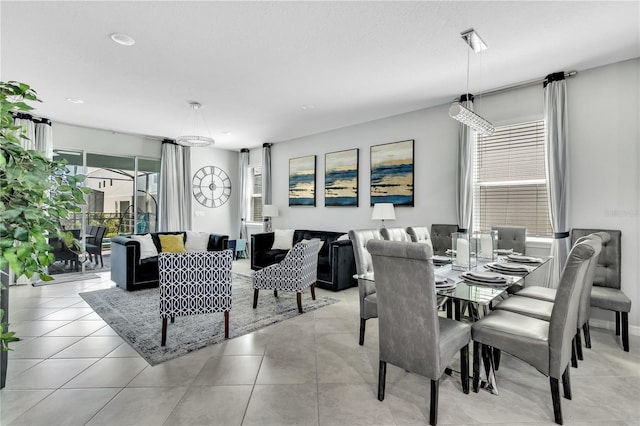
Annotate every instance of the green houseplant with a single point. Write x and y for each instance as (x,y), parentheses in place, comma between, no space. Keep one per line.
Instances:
(35,193)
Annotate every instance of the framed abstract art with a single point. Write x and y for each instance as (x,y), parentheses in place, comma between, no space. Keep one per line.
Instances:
(392,173)
(341,178)
(302,181)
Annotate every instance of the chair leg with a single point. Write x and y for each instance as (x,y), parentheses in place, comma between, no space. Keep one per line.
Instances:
(574,357)
(163,341)
(313,292)
(625,331)
(173,319)
(477,347)
(226,324)
(578,338)
(464,368)
(382,375)
(587,335)
(299,299)
(555,396)
(433,409)
(487,354)
(566,383)
(101,262)
(617,323)
(275,293)
(496,358)
(363,323)
(255,298)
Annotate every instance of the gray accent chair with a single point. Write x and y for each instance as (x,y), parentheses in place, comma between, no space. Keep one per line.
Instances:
(524,303)
(545,294)
(395,234)
(412,335)
(606,292)
(441,237)
(512,237)
(419,234)
(545,345)
(364,265)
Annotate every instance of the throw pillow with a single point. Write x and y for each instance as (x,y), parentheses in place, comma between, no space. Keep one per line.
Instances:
(197,241)
(282,239)
(172,243)
(319,245)
(147,247)
(343,237)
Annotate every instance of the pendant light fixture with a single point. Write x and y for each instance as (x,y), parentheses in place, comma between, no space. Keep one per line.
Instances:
(196,139)
(459,112)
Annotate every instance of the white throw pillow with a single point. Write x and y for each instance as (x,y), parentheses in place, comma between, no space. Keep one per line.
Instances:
(196,241)
(147,247)
(282,239)
(319,245)
(343,237)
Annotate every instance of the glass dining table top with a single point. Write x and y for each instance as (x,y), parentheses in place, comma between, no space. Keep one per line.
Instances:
(470,292)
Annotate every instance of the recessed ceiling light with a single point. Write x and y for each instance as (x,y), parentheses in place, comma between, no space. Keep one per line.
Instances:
(226,133)
(75,101)
(122,39)
(307,107)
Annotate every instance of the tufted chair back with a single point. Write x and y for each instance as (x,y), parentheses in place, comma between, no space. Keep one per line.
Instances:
(512,237)
(607,272)
(441,237)
(395,234)
(419,234)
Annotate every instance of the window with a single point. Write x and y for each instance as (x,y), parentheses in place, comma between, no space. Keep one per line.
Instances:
(510,181)
(255,173)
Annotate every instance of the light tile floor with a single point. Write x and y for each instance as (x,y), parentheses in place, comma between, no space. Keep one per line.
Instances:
(71,368)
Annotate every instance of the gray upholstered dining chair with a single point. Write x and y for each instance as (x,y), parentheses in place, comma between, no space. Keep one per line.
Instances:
(525,301)
(419,234)
(366,288)
(441,237)
(194,283)
(395,234)
(512,237)
(296,272)
(606,292)
(412,335)
(545,345)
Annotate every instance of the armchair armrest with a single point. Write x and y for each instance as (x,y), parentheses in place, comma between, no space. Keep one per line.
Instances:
(218,242)
(260,243)
(343,265)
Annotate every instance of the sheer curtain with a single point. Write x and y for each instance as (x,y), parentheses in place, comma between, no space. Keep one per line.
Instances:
(557,159)
(175,187)
(464,177)
(244,192)
(266,178)
(39,132)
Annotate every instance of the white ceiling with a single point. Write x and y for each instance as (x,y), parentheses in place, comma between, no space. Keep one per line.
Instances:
(253,65)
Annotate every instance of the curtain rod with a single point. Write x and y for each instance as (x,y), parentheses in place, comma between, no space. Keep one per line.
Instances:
(522,84)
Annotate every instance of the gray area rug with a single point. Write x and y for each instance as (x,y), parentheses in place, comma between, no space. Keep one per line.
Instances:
(135,316)
(67,278)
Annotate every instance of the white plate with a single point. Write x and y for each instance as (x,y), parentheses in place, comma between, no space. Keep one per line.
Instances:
(523,259)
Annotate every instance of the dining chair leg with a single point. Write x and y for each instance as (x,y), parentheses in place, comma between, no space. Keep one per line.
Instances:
(382,376)
(555,396)
(299,300)
(566,383)
(363,324)
(578,338)
(433,410)
(496,358)
(275,293)
(477,347)
(163,341)
(587,335)
(464,368)
(255,298)
(226,324)
(617,323)
(574,357)
(625,331)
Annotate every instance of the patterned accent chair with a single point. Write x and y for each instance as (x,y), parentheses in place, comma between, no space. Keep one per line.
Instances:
(195,283)
(297,271)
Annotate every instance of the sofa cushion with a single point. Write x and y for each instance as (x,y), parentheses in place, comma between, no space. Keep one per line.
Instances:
(196,241)
(147,247)
(282,239)
(172,243)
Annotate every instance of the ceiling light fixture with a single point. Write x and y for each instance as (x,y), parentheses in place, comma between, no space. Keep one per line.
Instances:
(459,112)
(195,139)
(75,101)
(122,39)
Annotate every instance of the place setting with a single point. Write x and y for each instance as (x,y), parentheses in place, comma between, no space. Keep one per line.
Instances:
(509,268)
(484,278)
(518,258)
(444,284)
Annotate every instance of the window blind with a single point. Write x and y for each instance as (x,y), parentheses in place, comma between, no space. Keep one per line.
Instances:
(256,194)
(510,180)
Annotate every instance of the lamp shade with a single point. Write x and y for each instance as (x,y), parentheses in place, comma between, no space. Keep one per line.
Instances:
(269,210)
(383,211)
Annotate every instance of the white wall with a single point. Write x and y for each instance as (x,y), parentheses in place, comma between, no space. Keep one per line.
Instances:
(603,127)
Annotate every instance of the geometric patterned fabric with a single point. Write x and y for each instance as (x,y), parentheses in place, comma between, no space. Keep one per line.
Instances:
(297,271)
(194,283)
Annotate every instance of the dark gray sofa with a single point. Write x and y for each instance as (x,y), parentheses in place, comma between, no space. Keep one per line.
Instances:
(131,273)
(336,264)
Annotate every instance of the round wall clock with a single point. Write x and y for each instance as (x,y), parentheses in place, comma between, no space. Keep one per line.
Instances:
(211,186)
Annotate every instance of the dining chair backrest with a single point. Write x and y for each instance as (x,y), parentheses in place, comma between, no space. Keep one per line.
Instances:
(419,234)
(597,240)
(512,237)
(441,237)
(608,272)
(564,316)
(395,234)
(359,239)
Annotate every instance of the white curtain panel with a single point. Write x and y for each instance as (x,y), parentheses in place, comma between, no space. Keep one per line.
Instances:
(175,188)
(28,129)
(464,176)
(44,137)
(266,177)
(557,159)
(244,192)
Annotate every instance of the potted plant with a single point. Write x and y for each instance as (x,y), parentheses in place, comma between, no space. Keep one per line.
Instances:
(35,193)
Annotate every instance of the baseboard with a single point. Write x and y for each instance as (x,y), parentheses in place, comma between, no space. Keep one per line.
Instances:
(634,330)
